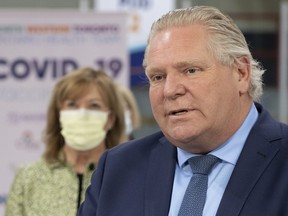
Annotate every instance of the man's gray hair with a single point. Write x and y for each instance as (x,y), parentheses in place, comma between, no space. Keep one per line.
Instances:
(226,41)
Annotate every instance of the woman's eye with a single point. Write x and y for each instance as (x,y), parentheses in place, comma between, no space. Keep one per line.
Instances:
(71,104)
(94,106)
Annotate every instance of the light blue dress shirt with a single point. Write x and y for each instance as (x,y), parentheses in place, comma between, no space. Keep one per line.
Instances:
(228,152)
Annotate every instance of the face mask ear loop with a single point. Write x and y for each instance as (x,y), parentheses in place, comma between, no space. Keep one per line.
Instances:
(128,122)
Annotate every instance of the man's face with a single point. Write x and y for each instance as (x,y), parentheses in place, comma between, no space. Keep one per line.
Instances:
(194,98)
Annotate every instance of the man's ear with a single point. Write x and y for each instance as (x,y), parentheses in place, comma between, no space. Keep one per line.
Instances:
(244,74)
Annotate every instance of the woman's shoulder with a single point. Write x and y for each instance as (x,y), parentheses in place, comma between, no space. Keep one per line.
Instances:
(33,169)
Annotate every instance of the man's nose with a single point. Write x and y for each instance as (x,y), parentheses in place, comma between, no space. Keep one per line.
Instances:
(174,86)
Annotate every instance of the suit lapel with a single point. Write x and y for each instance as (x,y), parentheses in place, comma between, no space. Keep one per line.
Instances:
(260,148)
(160,178)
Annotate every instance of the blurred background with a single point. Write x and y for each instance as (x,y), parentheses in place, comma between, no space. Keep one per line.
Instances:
(260,21)
(264,23)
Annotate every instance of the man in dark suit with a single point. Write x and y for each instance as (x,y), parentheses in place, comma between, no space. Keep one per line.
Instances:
(204,92)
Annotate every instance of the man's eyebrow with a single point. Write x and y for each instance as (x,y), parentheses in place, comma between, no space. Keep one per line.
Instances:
(152,70)
(177,65)
(189,63)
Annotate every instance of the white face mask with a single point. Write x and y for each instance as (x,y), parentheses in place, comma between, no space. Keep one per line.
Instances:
(128,122)
(83,129)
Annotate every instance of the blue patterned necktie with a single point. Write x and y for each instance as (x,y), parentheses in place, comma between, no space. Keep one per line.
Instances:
(195,195)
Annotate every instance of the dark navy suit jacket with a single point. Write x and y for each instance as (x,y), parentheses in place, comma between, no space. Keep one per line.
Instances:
(136,179)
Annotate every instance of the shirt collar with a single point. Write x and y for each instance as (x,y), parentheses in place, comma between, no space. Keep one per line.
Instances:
(231,149)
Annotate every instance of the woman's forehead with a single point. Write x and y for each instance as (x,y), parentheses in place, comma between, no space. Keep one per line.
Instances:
(82,90)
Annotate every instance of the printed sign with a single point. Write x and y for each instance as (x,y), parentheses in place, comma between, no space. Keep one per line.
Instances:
(141,15)
(36,49)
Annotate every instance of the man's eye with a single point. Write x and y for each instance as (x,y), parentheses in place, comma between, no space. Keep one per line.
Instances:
(156,78)
(192,70)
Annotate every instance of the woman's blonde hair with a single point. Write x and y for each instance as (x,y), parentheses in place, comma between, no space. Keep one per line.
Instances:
(74,85)
(129,98)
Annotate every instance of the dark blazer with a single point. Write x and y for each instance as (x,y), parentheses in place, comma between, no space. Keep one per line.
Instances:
(136,178)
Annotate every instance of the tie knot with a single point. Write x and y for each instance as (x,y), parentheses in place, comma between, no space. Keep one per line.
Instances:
(203,164)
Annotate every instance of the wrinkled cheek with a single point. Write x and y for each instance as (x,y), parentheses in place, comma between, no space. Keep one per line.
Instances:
(157,110)
(157,103)
(153,102)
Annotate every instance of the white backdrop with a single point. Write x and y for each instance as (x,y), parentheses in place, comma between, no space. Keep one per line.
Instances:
(37,48)
(141,15)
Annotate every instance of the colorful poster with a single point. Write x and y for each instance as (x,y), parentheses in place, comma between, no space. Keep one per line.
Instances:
(37,48)
(141,15)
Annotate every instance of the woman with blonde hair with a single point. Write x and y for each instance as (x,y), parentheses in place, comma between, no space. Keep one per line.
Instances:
(84,118)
